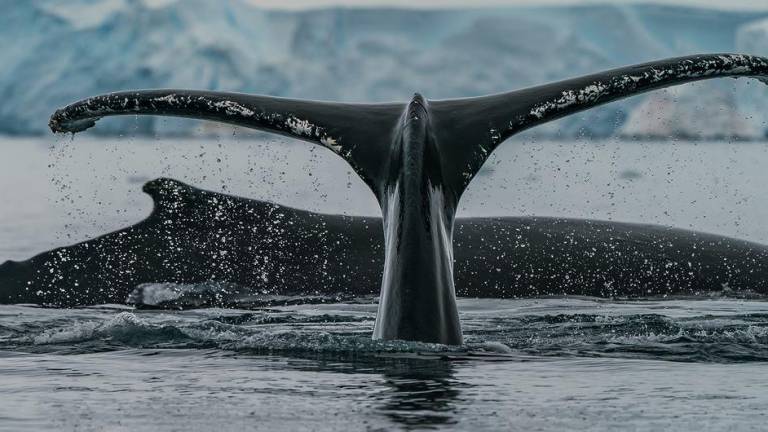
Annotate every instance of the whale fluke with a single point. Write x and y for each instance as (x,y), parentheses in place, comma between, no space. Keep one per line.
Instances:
(417,158)
(485,122)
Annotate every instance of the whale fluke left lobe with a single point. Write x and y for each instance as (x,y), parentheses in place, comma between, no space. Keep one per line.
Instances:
(359,133)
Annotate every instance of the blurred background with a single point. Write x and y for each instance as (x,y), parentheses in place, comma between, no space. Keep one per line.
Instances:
(692,156)
(60,51)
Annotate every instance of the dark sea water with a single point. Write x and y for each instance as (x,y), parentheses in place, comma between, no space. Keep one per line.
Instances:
(548,364)
(535,364)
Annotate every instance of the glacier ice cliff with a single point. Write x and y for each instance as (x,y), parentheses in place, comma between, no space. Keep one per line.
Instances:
(62,51)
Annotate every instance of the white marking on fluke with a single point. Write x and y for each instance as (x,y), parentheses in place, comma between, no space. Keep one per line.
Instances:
(233,108)
(300,127)
(331,143)
(304,128)
(723,64)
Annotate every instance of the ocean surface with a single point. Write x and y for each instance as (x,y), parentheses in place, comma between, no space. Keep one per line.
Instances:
(527,364)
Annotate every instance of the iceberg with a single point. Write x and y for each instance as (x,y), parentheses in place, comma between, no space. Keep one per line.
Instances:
(66,50)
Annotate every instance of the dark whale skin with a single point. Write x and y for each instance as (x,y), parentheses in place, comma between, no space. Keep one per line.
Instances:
(418,158)
(196,236)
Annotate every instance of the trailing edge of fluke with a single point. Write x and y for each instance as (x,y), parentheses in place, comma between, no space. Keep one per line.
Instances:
(417,158)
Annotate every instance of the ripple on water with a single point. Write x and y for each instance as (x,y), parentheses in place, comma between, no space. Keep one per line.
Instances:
(535,364)
(724,330)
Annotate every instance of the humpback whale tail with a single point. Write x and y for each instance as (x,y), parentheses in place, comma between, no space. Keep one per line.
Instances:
(417,158)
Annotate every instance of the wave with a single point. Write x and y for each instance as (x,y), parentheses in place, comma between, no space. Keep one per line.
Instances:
(222,294)
(344,330)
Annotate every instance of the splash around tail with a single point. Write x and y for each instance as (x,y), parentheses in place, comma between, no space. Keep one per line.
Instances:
(417,158)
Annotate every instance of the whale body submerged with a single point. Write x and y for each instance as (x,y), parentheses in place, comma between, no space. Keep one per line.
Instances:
(246,249)
(417,158)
